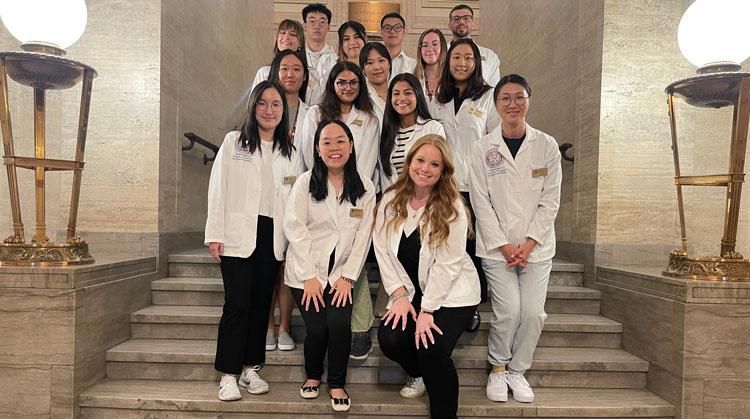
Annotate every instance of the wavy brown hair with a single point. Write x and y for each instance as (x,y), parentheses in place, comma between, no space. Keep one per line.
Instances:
(440,209)
(419,71)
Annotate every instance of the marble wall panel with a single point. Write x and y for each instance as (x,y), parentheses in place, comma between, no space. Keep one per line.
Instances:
(725,399)
(25,391)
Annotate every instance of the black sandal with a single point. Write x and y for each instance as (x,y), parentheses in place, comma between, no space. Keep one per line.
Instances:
(340,405)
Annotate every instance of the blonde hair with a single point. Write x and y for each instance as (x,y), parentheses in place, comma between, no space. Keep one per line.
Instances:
(440,209)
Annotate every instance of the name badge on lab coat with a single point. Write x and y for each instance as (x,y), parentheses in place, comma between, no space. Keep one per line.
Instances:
(476,112)
(356,212)
(289,180)
(357,122)
(539,172)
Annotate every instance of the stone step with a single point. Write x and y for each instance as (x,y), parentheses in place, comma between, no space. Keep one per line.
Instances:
(130,399)
(166,359)
(202,291)
(199,263)
(200,322)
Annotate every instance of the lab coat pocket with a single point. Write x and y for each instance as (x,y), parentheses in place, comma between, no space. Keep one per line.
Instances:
(236,227)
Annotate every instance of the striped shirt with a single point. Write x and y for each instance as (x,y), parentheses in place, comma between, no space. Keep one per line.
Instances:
(399,150)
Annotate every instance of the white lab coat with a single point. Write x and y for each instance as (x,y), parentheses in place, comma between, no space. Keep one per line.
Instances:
(378,104)
(490,65)
(474,120)
(402,64)
(516,198)
(234,192)
(299,122)
(315,229)
(447,276)
(323,62)
(364,128)
(313,95)
(422,128)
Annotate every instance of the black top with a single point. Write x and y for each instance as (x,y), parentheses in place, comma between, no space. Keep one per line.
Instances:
(514,144)
(458,100)
(408,255)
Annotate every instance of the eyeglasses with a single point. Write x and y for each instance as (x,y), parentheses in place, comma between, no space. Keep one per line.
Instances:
(342,84)
(275,106)
(519,100)
(394,28)
(464,19)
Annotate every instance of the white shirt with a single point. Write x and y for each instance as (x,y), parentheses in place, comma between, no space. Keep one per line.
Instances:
(516,198)
(378,104)
(316,228)
(420,130)
(234,191)
(490,65)
(474,120)
(364,128)
(447,275)
(266,179)
(402,64)
(314,92)
(322,61)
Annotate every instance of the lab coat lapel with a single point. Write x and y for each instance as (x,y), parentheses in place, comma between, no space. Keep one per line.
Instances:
(332,204)
(502,148)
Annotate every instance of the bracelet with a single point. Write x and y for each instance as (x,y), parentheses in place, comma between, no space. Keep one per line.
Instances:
(423,311)
(348,280)
(403,294)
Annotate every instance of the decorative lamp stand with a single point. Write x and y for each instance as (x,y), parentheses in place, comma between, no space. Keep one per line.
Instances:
(714,90)
(43,69)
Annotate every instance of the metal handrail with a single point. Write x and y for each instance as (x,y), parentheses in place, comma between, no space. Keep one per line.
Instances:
(564,147)
(194,138)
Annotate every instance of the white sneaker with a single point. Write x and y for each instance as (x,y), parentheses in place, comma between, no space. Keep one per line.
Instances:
(286,343)
(228,390)
(497,387)
(270,341)
(413,388)
(519,387)
(252,381)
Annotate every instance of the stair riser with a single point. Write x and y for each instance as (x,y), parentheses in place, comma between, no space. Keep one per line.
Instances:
(206,270)
(216,298)
(390,374)
(105,413)
(479,338)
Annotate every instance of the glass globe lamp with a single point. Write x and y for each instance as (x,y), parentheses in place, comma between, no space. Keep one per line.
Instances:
(45,25)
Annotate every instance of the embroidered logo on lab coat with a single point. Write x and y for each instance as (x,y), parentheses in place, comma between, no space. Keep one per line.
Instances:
(242,154)
(495,164)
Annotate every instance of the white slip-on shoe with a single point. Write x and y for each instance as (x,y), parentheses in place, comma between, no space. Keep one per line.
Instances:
(285,342)
(270,341)
(252,381)
(228,390)
(520,388)
(497,387)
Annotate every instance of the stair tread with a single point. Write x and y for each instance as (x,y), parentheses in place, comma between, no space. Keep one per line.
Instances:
(464,356)
(202,256)
(370,399)
(593,323)
(215,285)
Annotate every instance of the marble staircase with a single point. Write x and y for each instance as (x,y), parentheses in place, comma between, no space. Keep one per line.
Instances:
(166,368)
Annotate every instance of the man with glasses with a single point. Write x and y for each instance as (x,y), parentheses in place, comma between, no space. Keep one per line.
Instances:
(392,30)
(461,23)
(320,56)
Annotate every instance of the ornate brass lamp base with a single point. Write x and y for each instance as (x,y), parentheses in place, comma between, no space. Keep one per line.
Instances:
(711,268)
(45,254)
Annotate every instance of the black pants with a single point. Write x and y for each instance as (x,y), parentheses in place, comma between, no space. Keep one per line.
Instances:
(329,330)
(433,364)
(248,289)
(471,249)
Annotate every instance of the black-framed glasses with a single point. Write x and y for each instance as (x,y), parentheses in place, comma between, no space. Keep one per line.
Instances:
(342,84)
(464,19)
(392,28)
(519,100)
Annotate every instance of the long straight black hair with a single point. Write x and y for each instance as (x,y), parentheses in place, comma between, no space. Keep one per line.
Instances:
(330,107)
(249,135)
(476,86)
(276,65)
(392,120)
(353,186)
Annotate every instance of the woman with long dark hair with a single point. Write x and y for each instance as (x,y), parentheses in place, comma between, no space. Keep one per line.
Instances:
(250,181)
(515,188)
(405,120)
(465,107)
(328,225)
(421,226)
(375,62)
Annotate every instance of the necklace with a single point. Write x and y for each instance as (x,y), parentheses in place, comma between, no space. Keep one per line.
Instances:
(420,203)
